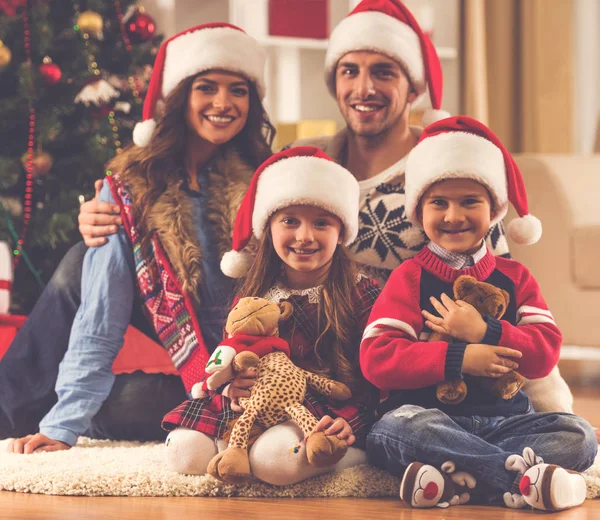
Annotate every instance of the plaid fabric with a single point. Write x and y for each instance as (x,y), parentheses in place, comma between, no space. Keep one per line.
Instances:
(458,260)
(212,414)
(169,309)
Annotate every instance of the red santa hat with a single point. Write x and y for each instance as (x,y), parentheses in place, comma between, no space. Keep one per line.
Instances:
(388,27)
(301,175)
(201,48)
(462,148)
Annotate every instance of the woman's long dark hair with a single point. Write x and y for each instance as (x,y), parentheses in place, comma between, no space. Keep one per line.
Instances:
(335,324)
(161,162)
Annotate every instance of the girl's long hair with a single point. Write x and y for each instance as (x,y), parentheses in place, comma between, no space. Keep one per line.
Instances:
(161,163)
(335,348)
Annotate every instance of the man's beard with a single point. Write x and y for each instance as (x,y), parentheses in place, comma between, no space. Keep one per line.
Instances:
(381,131)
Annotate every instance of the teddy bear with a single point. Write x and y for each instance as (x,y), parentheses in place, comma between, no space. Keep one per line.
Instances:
(491,301)
(278,392)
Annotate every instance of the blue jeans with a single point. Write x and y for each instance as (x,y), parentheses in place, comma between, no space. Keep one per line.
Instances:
(29,369)
(479,445)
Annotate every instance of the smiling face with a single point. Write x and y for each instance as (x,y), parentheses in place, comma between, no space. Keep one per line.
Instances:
(305,238)
(373,93)
(456,214)
(217,107)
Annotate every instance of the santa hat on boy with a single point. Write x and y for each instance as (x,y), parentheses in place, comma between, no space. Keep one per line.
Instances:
(462,148)
(388,27)
(300,175)
(201,48)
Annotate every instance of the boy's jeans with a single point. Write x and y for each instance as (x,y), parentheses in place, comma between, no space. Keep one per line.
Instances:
(479,445)
(29,369)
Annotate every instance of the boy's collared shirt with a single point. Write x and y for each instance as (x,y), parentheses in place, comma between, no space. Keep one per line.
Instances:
(458,260)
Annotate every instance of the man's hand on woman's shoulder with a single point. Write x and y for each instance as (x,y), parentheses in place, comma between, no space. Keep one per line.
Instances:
(97,220)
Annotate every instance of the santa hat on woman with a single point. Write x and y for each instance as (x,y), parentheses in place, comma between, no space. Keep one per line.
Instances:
(302,175)
(204,47)
(388,27)
(462,148)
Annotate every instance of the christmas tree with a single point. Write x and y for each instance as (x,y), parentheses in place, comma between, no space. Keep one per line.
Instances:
(72,77)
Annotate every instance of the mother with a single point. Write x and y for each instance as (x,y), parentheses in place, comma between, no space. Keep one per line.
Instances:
(178,191)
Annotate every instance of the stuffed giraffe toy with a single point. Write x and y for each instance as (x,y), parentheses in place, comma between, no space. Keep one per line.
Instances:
(277,394)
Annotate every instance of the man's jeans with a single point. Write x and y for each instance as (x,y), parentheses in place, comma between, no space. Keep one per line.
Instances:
(479,445)
(29,369)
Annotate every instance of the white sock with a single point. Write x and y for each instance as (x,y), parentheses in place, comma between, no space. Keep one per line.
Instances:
(189,451)
(278,457)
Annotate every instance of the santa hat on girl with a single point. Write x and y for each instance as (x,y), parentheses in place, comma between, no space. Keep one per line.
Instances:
(388,27)
(201,48)
(462,148)
(301,175)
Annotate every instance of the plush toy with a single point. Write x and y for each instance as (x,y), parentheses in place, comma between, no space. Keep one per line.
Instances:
(278,392)
(543,486)
(490,301)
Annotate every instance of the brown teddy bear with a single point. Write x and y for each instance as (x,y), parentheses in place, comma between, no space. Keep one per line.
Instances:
(491,301)
(279,390)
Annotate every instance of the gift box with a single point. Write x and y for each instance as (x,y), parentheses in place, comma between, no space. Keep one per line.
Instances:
(299,18)
(6,277)
(287,133)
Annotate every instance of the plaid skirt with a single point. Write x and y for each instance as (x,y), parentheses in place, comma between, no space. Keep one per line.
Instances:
(212,415)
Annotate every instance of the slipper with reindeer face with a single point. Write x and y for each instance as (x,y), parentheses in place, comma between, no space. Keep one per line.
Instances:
(424,486)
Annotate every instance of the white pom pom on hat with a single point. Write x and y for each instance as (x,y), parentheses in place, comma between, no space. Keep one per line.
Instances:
(143,131)
(431,116)
(524,230)
(203,47)
(462,147)
(235,263)
(302,175)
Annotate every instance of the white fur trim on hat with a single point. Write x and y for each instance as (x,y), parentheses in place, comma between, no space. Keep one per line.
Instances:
(213,48)
(236,263)
(452,155)
(142,132)
(525,230)
(379,32)
(311,181)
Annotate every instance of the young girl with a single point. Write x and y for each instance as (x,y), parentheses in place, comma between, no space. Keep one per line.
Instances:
(303,210)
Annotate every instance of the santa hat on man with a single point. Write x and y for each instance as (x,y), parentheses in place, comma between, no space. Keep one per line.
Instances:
(388,27)
(302,175)
(209,46)
(462,148)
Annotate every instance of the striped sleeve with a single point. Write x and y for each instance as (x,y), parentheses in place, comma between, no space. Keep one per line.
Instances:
(535,333)
(391,355)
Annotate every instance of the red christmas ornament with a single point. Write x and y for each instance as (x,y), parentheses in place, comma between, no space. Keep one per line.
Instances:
(140,27)
(9,7)
(50,72)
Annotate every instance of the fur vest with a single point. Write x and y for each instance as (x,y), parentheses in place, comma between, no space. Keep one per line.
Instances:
(169,272)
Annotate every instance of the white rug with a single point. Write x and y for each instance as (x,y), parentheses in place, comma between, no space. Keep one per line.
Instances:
(104,468)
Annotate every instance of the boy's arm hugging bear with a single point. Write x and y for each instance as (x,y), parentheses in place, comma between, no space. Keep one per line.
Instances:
(489,301)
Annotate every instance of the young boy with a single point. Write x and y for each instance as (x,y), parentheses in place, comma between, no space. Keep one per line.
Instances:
(459,181)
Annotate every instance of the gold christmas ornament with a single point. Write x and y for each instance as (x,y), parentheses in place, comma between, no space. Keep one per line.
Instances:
(90,22)
(5,55)
(41,164)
